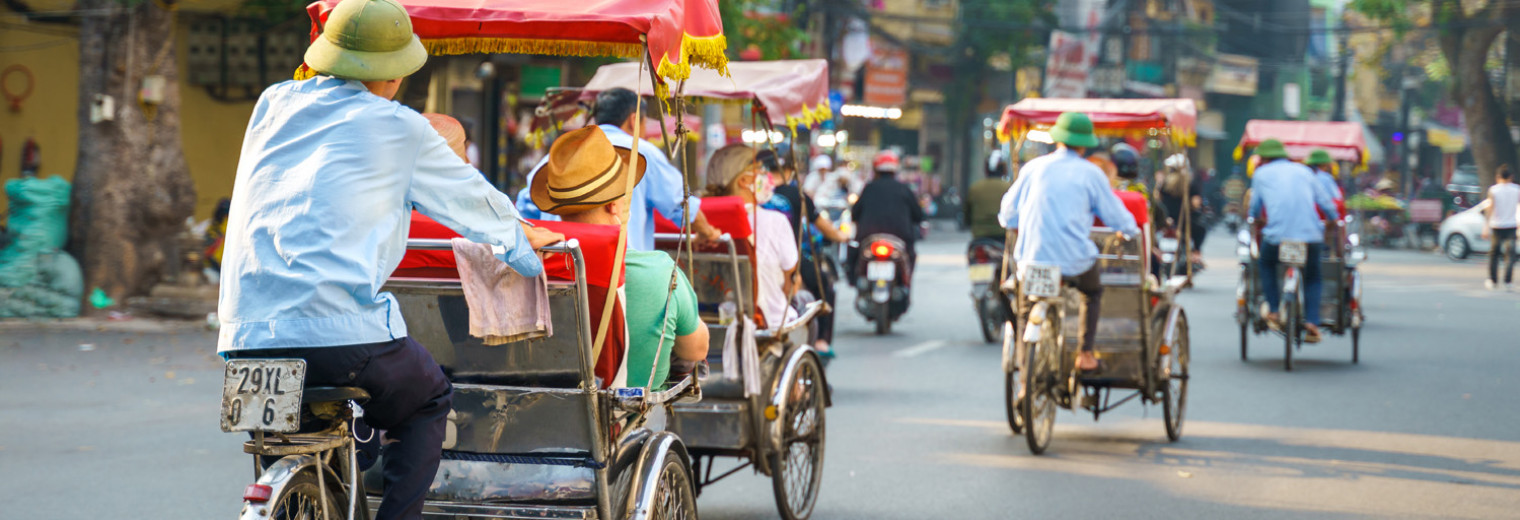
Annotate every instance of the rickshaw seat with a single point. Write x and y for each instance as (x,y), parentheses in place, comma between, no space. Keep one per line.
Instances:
(598,245)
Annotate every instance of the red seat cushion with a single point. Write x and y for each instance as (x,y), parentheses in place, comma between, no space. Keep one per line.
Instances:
(1137,206)
(725,213)
(598,248)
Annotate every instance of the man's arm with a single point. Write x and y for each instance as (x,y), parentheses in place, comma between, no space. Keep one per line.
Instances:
(665,193)
(1325,202)
(456,195)
(691,334)
(1008,209)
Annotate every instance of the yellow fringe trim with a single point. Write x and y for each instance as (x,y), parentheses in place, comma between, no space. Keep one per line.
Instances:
(1180,137)
(304,73)
(708,52)
(472,45)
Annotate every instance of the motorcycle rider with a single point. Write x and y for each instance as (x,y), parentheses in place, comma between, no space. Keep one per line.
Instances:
(887,206)
(1053,205)
(984,196)
(305,258)
(1288,193)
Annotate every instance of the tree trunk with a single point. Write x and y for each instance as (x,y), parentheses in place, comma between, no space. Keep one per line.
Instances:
(132,190)
(1487,127)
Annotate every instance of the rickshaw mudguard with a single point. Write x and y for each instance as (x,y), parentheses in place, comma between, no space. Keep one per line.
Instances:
(655,452)
(279,475)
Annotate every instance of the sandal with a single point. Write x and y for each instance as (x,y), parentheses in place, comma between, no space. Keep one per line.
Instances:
(1312,335)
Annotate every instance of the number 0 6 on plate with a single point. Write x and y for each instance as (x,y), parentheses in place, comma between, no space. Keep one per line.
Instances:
(262,395)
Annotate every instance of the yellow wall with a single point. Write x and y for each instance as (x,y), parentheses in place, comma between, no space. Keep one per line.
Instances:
(51,52)
(210,131)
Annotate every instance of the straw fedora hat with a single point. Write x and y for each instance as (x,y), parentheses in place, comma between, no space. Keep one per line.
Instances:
(367,40)
(584,171)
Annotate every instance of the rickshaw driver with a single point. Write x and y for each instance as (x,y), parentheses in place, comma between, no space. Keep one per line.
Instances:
(1288,193)
(1053,205)
(656,330)
(329,172)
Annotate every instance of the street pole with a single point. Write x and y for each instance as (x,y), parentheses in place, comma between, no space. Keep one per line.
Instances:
(1344,64)
(1406,99)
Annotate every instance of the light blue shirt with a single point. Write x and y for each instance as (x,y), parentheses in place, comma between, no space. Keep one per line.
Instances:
(662,190)
(1053,204)
(1328,182)
(1288,192)
(327,179)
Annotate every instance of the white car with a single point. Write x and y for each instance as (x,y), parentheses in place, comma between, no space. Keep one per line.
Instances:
(1462,234)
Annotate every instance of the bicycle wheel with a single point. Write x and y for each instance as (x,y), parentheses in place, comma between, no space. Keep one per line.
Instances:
(797,464)
(1042,363)
(1174,393)
(1290,329)
(674,499)
(301,499)
(1011,384)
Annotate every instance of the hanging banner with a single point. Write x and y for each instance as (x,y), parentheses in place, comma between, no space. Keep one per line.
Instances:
(887,76)
(1072,56)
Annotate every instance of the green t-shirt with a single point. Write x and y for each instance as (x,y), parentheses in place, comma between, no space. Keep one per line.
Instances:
(647,285)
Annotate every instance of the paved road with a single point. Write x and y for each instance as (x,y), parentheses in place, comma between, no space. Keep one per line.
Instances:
(1424,427)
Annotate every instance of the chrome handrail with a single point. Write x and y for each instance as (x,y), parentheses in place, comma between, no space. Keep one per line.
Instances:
(811,311)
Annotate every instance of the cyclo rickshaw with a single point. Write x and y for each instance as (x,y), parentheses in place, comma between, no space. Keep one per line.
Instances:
(1142,340)
(1340,307)
(535,431)
(764,397)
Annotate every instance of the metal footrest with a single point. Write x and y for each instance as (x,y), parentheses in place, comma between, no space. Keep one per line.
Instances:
(456,511)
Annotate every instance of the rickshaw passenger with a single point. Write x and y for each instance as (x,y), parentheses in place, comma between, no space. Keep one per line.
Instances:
(733,170)
(1320,161)
(329,169)
(659,191)
(657,329)
(1288,193)
(1053,204)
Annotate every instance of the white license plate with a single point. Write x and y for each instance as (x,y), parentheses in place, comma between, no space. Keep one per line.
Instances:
(876,271)
(262,395)
(1041,281)
(982,273)
(1294,253)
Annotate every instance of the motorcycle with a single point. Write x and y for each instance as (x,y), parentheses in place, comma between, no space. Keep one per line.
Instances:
(984,260)
(882,273)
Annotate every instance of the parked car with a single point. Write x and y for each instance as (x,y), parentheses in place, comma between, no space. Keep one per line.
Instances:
(1462,234)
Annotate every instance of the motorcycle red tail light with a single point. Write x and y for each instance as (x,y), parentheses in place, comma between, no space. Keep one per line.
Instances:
(980,256)
(257,493)
(881,249)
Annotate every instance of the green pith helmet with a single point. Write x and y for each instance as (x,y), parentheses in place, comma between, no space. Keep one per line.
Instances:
(367,40)
(1268,149)
(1317,157)
(1074,129)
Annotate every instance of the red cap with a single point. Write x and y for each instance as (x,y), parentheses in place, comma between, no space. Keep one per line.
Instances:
(885,161)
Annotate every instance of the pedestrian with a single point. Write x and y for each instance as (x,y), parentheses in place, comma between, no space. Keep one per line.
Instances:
(1285,194)
(1503,197)
(330,170)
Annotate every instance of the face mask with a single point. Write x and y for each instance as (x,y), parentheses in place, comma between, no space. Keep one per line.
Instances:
(764,189)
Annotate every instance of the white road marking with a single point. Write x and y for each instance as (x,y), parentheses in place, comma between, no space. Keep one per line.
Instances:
(919,349)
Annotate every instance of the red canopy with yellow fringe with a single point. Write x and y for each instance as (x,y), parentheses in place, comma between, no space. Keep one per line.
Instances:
(1345,141)
(791,92)
(1177,118)
(680,33)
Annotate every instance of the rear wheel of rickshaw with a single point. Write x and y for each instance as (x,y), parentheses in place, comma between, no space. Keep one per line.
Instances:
(797,464)
(674,497)
(301,498)
(1356,344)
(1011,384)
(1289,329)
(1042,365)
(1174,391)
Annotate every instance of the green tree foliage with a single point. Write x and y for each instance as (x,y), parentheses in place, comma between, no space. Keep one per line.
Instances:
(754,25)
